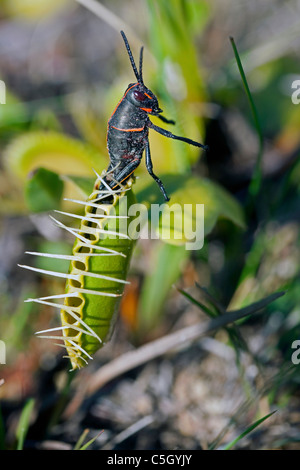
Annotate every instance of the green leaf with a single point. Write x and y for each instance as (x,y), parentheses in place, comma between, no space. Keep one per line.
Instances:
(43,191)
(84,184)
(54,151)
(24,423)
(181,218)
(167,266)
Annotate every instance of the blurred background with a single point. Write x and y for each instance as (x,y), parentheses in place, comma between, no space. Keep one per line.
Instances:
(65,68)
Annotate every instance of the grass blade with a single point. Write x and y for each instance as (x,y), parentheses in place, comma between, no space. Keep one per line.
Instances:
(257,174)
(90,442)
(199,304)
(24,423)
(247,431)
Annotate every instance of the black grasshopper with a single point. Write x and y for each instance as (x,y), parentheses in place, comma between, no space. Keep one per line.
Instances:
(128,129)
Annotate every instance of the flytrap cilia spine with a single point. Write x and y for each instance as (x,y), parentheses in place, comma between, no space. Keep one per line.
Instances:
(101,252)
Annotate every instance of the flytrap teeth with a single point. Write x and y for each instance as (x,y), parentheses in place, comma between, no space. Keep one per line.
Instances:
(93,216)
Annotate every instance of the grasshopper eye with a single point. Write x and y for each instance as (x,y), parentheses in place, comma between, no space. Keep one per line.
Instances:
(139,96)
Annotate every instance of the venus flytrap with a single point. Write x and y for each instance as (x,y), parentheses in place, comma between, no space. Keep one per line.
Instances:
(97,274)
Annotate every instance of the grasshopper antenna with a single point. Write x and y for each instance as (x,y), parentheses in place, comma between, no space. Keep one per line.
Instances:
(141,66)
(139,79)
